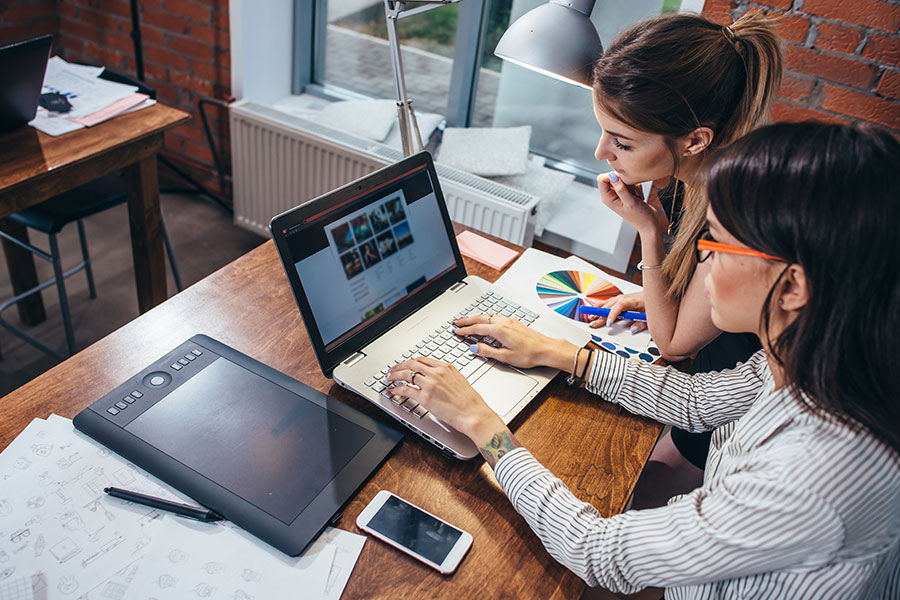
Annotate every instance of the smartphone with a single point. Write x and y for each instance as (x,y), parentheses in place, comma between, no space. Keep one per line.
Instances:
(416,532)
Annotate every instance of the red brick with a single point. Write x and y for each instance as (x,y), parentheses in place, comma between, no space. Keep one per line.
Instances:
(192,83)
(780,4)
(100,55)
(796,88)
(864,106)
(220,19)
(156,72)
(889,84)
(45,26)
(212,72)
(883,48)
(719,11)
(792,27)
(191,10)
(164,57)
(198,152)
(189,47)
(101,20)
(831,36)
(29,11)
(166,93)
(67,9)
(173,142)
(77,29)
(165,21)
(829,66)
(152,35)
(116,7)
(783,111)
(190,132)
(870,13)
(208,35)
(14,33)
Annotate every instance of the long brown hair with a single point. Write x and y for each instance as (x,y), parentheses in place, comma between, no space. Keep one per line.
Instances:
(825,197)
(670,75)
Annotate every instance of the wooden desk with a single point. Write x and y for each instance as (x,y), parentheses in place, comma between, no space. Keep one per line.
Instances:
(35,167)
(595,447)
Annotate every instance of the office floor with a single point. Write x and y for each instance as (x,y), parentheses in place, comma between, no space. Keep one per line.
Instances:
(205,240)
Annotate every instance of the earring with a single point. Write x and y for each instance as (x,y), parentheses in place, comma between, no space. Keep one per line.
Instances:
(780,302)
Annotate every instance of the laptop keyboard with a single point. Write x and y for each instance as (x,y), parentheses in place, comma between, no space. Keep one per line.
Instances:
(443,344)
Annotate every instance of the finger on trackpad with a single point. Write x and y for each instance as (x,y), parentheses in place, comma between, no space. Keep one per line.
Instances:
(503,387)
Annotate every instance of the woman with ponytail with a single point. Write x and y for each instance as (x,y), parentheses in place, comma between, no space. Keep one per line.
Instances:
(668,93)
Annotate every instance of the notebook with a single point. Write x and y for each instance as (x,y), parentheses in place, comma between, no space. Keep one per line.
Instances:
(378,277)
(22,67)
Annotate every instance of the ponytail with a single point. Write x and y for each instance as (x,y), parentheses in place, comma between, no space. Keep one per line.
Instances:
(672,74)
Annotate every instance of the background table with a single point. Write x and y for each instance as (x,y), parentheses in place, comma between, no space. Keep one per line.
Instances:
(596,448)
(35,166)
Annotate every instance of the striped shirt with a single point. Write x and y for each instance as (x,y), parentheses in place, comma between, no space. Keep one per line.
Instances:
(793,505)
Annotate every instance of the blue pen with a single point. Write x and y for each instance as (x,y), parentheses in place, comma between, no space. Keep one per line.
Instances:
(604,312)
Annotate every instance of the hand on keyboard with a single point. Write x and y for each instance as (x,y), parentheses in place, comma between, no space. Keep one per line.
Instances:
(443,390)
(519,346)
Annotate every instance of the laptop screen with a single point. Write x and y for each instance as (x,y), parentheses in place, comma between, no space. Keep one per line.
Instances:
(364,255)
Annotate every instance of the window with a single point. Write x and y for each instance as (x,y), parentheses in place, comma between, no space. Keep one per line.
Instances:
(450,68)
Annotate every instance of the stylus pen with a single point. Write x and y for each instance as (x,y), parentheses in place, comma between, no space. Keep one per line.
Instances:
(604,312)
(183,510)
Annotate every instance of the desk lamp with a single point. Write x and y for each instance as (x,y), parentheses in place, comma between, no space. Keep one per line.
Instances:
(394,10)
(556,39)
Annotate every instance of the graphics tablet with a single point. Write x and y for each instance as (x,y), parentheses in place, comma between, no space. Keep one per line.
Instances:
(270,454)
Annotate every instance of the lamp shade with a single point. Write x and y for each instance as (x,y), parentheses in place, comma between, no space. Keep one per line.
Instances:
(556,39)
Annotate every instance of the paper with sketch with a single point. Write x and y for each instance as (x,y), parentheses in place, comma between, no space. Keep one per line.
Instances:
(55,519)
(522,281)
(16,588)
(219,560)
(347,548)
(84,92)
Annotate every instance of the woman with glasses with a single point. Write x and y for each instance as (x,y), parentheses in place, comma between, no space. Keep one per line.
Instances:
(801,494)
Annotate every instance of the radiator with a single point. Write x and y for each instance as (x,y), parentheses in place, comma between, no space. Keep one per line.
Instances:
(280,161)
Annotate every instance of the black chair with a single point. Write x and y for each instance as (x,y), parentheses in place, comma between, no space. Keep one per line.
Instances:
(50,217)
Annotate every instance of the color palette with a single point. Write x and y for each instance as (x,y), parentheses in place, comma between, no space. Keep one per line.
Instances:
(565,291)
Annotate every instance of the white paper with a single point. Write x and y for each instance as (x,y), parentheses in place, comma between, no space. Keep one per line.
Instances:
(218,560)
(347,548)
(55,518)
(85,93)
(52,123)
(522,277)
(16,588)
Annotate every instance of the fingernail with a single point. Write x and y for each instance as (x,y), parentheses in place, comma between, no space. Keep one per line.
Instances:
(473,348)
(634,329)
(613,176)
(609,322)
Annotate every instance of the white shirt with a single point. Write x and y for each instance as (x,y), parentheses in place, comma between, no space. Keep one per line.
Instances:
(793,505)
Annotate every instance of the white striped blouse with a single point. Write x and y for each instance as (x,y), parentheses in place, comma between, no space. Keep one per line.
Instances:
(792,505)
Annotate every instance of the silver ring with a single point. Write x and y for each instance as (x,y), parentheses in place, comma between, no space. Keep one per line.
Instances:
(412,377)
(489,319)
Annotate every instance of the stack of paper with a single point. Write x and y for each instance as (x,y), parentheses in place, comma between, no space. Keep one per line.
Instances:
(65,536)
(93,99)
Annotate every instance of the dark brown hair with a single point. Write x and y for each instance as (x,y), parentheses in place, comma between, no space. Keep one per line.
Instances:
(825,197)
(670,75)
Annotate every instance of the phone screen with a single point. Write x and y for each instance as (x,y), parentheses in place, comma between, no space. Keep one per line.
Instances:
(414,529)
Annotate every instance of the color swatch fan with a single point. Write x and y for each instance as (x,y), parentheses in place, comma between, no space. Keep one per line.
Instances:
(566,291)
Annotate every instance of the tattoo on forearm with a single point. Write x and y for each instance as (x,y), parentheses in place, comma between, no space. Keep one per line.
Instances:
(501,443)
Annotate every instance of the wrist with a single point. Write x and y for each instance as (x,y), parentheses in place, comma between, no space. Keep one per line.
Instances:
(560,355)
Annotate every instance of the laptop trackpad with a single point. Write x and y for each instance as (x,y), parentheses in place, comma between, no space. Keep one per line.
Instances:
(502,387)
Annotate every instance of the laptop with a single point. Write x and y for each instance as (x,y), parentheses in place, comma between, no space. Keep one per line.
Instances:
(22,68)
(378,278)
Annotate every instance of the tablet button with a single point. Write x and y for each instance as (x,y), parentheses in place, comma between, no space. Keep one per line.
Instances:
(121,405)
(157,379)
(128,399)
(136,394)
(176,366)
(183,361)
(196,352)
(112,411)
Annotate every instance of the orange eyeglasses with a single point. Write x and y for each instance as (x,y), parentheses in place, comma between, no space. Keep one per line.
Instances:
(707,245)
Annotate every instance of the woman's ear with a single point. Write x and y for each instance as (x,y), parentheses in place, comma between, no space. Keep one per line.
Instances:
(697,141)
(793,293)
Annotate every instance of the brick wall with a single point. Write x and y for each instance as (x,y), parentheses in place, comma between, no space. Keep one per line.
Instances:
(842,57)
(186,56)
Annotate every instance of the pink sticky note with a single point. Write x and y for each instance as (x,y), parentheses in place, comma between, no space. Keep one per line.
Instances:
(484,250)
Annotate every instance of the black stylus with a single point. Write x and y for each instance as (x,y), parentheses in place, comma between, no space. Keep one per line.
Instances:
(183,510)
